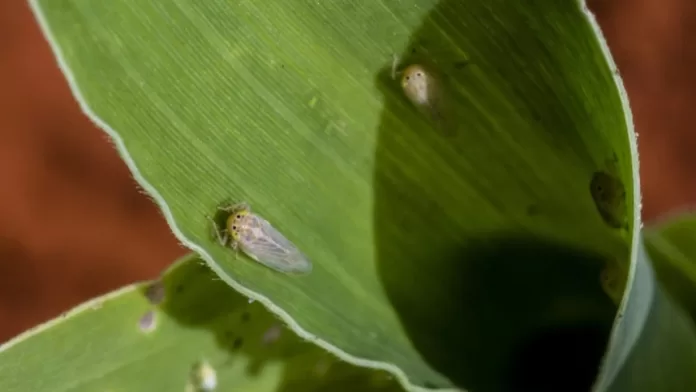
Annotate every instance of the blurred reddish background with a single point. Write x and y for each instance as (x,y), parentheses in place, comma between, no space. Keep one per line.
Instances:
(75,226)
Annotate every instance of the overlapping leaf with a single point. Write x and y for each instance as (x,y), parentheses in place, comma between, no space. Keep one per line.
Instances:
(440,251)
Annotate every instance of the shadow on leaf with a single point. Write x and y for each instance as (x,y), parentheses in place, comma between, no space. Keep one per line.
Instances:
(196,299)
(489,242)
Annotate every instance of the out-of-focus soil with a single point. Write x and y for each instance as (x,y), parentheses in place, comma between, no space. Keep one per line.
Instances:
(73,224)
(652,42)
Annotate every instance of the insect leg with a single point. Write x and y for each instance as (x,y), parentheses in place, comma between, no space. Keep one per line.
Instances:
(220,235)
(394,66)
(235,247)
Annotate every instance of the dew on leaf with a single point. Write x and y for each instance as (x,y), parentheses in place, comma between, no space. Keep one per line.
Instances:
(202,378)
(148,321)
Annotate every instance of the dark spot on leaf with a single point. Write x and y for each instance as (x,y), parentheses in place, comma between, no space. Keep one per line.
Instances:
(179,288)
(535,115)
(461,64)
(237,343)
(246,317)
(155,292)
(533,210)
(609,196)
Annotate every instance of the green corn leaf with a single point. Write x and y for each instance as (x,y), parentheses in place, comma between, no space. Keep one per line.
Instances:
(187,331)
(672,247)
(653,342)
(447,235)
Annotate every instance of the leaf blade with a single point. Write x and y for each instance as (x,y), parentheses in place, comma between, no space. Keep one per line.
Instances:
(101,345)
(200,99)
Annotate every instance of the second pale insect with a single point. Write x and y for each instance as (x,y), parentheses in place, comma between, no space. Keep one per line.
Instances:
(425,91)
(259,240)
